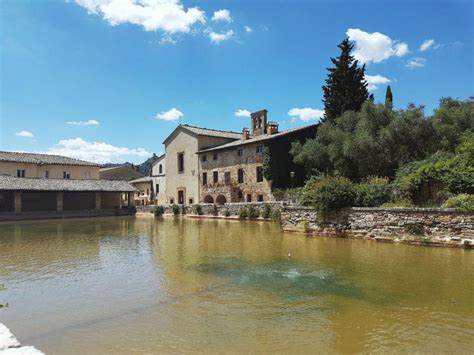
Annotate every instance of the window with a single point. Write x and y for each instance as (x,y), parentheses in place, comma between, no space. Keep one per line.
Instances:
(160,169)
(87,175)
(66,175)
(147,192)
(259,148)
(46,174)
(240,176)
(214,156)
(248,198)
(260,198)
(171,200)
(191,201)
(157,188)
(204,158)
(240,152)
(180,162)
(240,194)
(204,178)
(215,177)
(259,174)
(227,177)
(20,173)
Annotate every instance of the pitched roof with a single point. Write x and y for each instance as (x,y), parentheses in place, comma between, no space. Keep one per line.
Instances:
(42,159)
(142,179)
(257,139)
(38,184)
(206,132)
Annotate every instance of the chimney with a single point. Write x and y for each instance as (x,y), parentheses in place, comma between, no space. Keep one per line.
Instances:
(272,128)
(245,134)
(259,122)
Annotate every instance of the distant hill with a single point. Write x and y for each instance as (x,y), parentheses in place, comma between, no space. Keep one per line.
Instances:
(143,168)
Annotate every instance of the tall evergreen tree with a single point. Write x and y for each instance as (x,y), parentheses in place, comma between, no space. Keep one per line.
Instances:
(345,88)
(389,98)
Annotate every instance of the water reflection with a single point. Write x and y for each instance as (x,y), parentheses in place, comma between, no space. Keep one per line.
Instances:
(121,285)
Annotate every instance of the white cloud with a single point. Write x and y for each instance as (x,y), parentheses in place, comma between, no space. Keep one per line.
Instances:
(95,152)
(222,15)
(375,80)
(416,62)
(375,47)
(169,16)
(25,134)
(242,113)
(248,29)
(219,37)
(427,44)
(83,123)
(305,114)
(170,115)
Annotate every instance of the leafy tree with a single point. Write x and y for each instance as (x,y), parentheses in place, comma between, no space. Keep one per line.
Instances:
(452,120)
(372,142)
(389,98)
(345,88)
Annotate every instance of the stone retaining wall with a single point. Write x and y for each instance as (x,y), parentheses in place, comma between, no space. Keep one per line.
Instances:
(423,224)
(211,209)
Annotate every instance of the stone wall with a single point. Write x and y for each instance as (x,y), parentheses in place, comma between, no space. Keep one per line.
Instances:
(212,209)
(382,222)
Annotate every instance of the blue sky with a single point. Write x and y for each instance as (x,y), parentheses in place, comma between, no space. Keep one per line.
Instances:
(106,80)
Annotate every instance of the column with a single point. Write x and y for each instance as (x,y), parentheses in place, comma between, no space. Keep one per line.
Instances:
(97,200)
(59,201)
(131,199)
(17,201)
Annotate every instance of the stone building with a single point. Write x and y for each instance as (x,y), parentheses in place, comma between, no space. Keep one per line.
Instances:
(213,166)
(234,172)
(151,189)
(182,162)
(51,186)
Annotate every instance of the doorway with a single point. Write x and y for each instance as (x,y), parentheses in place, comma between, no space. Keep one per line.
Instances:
(180,197)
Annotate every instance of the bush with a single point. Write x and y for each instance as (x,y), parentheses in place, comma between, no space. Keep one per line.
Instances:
(398,203)
(267,211)
(159,210)
(215,210)
(328,193)
(175,209)
(276,215)
(226,213)
(463,202)
(372,192)
(243,213)
(198,210)
(253,212)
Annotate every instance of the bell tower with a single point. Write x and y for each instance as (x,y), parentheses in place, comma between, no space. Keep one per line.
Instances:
(259,122)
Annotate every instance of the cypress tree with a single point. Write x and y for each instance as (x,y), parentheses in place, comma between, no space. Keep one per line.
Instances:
(388,98)
(345,88)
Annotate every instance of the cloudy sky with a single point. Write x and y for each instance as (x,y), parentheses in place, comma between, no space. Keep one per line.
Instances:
(107,80)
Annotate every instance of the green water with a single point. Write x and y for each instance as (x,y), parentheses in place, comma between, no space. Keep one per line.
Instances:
(140,285)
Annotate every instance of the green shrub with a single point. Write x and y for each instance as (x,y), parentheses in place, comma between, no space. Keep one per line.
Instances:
(243,213)
(226,213)
(276,215)
(175,209)
(463,202)
(253,212)
(158,211)
(198,210)
(267,211)
(398,203)
(415,228)
(328,193)
(215,210)
(183,209)
(467,244)
(451,172)
(372,192)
